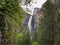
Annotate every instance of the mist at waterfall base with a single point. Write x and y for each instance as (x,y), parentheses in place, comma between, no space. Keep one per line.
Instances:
(30,21)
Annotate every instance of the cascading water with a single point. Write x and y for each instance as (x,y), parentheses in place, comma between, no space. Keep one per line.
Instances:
(31,7)
(32,22)
(29,24)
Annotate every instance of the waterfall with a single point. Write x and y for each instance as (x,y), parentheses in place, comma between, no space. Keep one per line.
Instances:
(31,11)
(29,23)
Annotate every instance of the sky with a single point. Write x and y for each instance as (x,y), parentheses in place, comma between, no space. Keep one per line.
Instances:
(38,3)
(32,5)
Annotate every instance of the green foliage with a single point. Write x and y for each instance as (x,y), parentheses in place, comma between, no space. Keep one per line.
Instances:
(35,43)
(24,39)
(35,37)
(20,39)
(10,6)
(12,16)
(27,38)
(48,23)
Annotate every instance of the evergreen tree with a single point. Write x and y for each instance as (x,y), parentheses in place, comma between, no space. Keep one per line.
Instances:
(57,27)
(48,23)
(11,16)
(27,38)
(35,37)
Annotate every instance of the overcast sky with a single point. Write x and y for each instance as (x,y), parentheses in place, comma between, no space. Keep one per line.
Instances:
(38,3)
(34,3)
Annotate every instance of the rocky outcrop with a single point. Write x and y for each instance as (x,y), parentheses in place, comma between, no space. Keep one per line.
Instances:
(33,24)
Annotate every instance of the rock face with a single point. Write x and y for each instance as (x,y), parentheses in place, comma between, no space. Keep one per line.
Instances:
(38,15)
(25,23)
(36,10)
(34,21)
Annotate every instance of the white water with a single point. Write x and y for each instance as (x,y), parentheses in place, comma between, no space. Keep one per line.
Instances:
(29,24)
(30,7)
